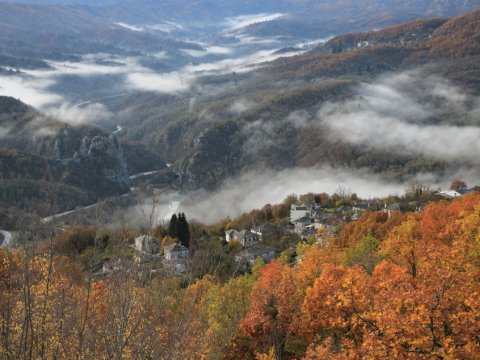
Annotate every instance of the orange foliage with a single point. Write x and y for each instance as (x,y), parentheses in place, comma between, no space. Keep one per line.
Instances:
(438,220)
(378,223)
(422,301)
(273,308)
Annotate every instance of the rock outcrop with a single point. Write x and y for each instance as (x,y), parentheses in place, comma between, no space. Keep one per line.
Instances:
(99,165)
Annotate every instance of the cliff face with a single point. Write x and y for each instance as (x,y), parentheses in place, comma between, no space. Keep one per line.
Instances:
(98,165)
(211,160)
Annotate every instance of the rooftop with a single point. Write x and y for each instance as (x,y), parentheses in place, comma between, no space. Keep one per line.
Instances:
(256,250)
(175,248)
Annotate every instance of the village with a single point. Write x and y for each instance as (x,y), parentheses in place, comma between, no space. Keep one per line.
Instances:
(311,222)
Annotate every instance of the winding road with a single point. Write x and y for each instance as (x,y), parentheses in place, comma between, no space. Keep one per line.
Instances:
(173,204)
(99,99)
(7,239)
(61,215)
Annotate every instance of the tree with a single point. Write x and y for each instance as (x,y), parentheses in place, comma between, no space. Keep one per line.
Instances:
(167,240)
(364,254)
(403,245)
(263,323)
(458,185)
(183,230)
(337,306)
(173,227)
(226,305)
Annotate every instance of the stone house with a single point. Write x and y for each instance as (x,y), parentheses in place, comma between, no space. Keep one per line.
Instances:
(147,244)
(244,237)
(303,225)
(250,254)
(265,230)
(175,252)
(390,209)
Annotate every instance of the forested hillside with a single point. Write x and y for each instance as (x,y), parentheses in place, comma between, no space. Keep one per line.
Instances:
(403,286)
(284,114)
(48,167)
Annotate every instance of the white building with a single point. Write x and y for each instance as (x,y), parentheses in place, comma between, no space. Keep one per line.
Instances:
(298,212)
(244,237)
(451,194)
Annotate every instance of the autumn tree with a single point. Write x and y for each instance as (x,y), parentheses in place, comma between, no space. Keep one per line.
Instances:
(336,306)
(364,254)
(226,305)
(403,246)
(458,185)
(269,318)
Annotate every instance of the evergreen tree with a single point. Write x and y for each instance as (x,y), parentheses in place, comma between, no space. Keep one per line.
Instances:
(183,230)
(173,227)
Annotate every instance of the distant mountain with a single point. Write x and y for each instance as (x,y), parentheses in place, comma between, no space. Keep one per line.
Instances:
(58,31)
(328,17)
(52,29)
(64,2)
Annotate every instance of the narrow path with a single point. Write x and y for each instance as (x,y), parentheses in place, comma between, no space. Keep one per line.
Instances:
(99,99)
(136,176)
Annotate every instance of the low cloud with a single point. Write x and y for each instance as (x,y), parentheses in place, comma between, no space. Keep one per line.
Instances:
(34,91)
(130,27)
(40,127)
(166,27)
(235,23)
(410,113)
(36,87)
(241,105)
(254,190)
(209,50)
(29,90)
(4,132)
(88,114)
(299,119)
(239,64)
(161,83)
(260,136)
(247,40)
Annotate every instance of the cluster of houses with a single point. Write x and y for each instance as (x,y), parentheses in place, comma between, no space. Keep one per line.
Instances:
(148,250)
(251,240)
(306,221)
(174,255)
(314,220)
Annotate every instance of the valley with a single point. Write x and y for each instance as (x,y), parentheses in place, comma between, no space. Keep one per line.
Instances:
(237,101)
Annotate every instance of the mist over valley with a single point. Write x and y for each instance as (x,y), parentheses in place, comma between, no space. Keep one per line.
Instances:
(230,98)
